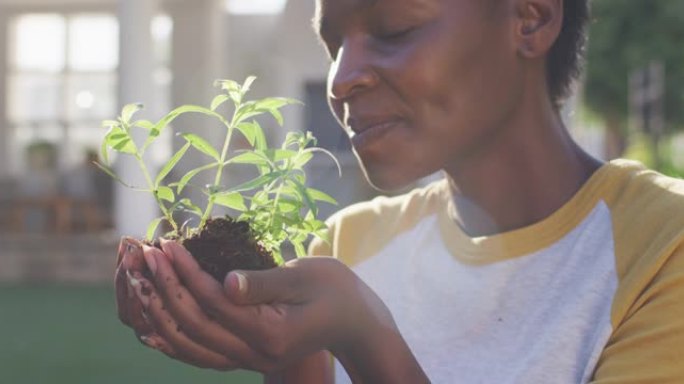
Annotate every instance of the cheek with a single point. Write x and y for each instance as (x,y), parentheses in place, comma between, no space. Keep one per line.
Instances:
(458,82)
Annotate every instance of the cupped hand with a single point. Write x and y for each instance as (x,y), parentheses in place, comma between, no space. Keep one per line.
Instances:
(258,320)
(130,262)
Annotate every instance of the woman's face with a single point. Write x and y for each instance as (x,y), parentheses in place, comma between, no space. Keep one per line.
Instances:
(419,85)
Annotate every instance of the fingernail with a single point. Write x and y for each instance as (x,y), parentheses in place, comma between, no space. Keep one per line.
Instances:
(155,341)
(241,282)
(149,260)
(130,244)
(150,341)
(134,282)
(168,251)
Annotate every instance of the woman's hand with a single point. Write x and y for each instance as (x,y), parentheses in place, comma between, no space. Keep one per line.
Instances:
(130,261)
(259,320)
(265,320)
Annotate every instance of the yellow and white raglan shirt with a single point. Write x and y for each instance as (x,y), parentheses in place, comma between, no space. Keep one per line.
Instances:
(593,293)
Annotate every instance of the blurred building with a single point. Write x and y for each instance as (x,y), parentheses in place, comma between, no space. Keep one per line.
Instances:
(66,65)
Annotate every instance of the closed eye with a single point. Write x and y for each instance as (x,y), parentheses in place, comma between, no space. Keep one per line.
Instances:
(396,34)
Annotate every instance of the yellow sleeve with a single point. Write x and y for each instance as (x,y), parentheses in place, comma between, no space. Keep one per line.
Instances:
(648,344)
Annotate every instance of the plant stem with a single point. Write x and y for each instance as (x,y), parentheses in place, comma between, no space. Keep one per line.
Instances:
(275,204)
(277,196)
(159,201)
(219,172)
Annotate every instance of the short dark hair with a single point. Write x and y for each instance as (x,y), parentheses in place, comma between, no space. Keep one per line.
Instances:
(564,61)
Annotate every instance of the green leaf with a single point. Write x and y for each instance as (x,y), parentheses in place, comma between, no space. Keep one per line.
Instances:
(232,88)
(110,124)
(301,159)
(168,167)
(104,152)
(202,145)
(166,193)
(303,190)
(321,196)
(144,124)
(212,189)
(129,110)
(119,140)
(125,145)
(277,155)
(298,176)
(111,173)
(171,116)
(277,116)
(268,157)
(260,199)
(227,85)
(291,138)
(152,228)
(299,248)
(314,225)
(251,131)
(323,234)
(218,100)
(188,176)
(251,157)
(257,182)
(288,205)
(186,205)
(297,235)
(115,133)
(246,111)
(277,257)
(272,105)
(260,142)
(247,85)
(232,200)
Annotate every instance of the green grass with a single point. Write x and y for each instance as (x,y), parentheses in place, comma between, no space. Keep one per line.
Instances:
(58,334)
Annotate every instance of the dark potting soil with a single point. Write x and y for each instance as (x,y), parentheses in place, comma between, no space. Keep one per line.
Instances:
(226,244)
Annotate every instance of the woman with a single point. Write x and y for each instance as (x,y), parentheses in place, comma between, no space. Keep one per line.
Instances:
(531,262)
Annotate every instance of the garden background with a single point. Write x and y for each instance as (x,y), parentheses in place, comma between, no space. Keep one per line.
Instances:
(66,65)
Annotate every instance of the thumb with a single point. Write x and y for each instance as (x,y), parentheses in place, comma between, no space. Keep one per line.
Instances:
(262,287)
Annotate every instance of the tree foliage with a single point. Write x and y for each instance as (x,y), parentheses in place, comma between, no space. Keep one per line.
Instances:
(625,36)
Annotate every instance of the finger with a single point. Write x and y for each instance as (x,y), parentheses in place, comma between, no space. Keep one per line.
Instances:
(135,311)
(121,282)
(157,342)
(207,291)
(283,284)
(120,252)
(175,341)
(132,255)
(190,316)
(202,285)
(128,306)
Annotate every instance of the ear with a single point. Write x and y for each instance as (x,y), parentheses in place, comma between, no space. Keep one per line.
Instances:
(538,24)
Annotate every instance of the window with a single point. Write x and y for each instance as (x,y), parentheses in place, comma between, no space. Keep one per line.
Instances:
(246,7)
(62,80)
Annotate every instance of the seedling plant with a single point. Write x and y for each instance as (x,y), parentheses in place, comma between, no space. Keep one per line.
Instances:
(277,204)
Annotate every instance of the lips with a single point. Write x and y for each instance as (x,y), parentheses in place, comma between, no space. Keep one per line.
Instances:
(367,130)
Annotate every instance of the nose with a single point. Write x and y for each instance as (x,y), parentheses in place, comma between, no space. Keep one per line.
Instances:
(351,72)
